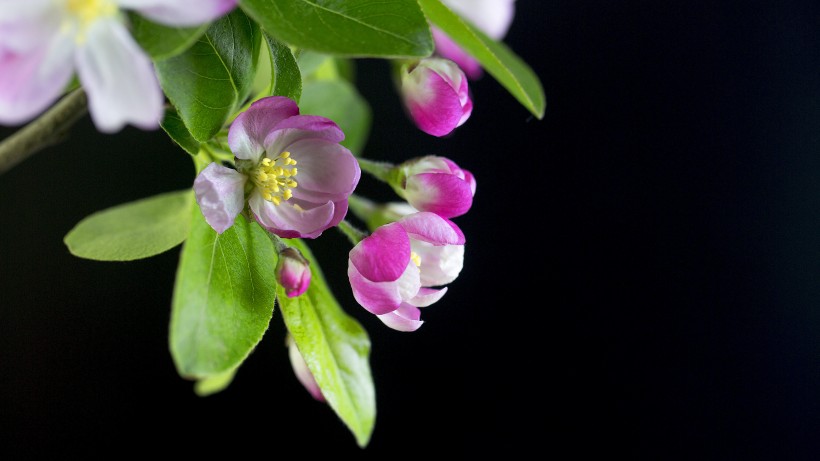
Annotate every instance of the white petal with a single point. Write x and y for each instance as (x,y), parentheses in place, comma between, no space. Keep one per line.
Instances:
(180,12)
(440,265)
(493,17)
(119,78)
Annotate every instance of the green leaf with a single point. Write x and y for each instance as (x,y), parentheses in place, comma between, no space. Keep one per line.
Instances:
(133,230)
(383,28)
(498,60)
(175,127)
(209,81)
(223,298)
(213,384)
(336,349)
(163,42)
(339,101)
(287,80)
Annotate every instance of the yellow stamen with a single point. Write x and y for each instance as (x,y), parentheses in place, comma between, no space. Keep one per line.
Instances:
(415,258)
(86,12)
(273,180)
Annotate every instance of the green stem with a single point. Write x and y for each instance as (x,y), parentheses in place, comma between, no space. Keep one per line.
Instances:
(361,207)
(352,232)
(381,170)
(49,129)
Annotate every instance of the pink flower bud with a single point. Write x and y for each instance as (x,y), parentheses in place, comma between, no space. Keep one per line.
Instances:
(436,184)
(436,95)
(293,272)
(300,369)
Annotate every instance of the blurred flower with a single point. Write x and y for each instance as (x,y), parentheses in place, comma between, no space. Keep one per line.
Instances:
(393,270)
(293,272)
(300,369)
(269,140)
(493,17)
(43,42)
(435,93)
(435,184)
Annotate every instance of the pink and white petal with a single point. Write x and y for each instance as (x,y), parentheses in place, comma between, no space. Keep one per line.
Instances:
(493,17)
(430,227)
(298,128)
(292,218)
(428,164)
(180,12)
(339,212)
(27,26)
(440,265)
(220,193)
(433,104)
(443,194)
(250,128)
(15,10)
(326,170)
(466,102)
(384,255)
(382,297)
(447,48)
(470,180)
(406,318)
(119,79)
(427,296)
(31,81)
(302,372)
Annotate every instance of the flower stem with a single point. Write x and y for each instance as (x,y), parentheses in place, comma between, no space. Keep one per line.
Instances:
(381,170)
(361,207)
(49,129)
(352,232)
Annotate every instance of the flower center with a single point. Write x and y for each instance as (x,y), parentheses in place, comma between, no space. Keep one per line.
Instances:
(85,12)
(273,178)
(415,258)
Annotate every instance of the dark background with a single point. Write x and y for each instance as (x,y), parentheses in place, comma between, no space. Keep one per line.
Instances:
(642,275)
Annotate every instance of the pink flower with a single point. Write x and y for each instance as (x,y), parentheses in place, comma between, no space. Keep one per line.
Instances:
(435,184)
(435,93)
(43,42)
(300,369)
(293,272)
(269,140)
(493,17)
(393,270)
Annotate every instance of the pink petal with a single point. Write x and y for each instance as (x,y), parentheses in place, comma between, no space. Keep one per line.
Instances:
(440,264)
(250,128)
(298,128)
(288,221)
(432,101)
(406,318)
(427,296)
(180,12)
(119,78)
(383,297)
(444,194)
(384,255)
(432,228)
(447,48)
(220,194)
(326,170)
(302,372)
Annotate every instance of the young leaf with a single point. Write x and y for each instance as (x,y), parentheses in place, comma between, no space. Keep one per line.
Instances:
(336,349)
(210,80)
(223,297)
(339,101)
(213,384)
(175,128)
(383,28)
(287,80)
(498,60)
(160,41)
(133,230)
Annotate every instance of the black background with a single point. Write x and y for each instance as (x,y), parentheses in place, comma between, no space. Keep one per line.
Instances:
(642,275)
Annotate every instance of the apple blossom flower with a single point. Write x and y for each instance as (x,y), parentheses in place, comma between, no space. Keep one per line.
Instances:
(393,271)
(269,140)
(293,272)
(493,17)
(43,42)
(435,184)
(436,95)
(300,369)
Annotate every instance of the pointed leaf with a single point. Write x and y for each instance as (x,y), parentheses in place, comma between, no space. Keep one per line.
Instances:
(286,78)
(163,42)
(223,298)
(175,128)
(498,60)
(209,81)
(385,28)
(133,230)
(336,349)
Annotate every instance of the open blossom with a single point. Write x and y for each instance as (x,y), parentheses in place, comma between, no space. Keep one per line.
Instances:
(293,272)
(436,94)
(393,271)
(436,184)
(269,140)
(300,369)
(493,17)
(43,43)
